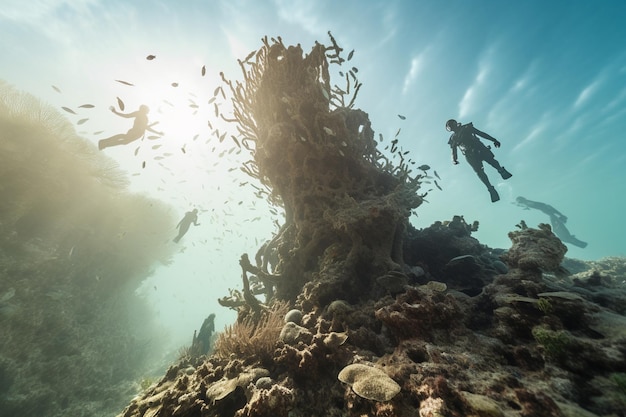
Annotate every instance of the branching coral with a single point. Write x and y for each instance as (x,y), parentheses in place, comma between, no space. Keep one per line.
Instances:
(318,158)
(251,338)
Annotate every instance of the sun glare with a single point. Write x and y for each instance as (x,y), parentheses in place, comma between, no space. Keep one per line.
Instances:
(188,139)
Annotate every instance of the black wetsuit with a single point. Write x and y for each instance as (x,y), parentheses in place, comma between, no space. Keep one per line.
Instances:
(465,138)
(474,150)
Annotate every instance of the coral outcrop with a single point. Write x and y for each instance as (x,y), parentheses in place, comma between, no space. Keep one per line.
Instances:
(415,322)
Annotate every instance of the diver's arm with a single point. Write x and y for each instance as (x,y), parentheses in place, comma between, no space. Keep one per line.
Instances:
(486,136)
(154,131)
(125,115)
(453,146)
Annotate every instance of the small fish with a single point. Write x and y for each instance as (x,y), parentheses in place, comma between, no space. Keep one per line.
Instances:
(137,150)
(437,175)
(402,117)
(120,103)
(125,82)
(69,255)
(235,140)
(152,137)
(67,109)
(423,167)
(398,132)
(150,57)
(87,106)
(183,149)
(438,185)
(99,132)
(203,70)
(81,121)
(174,84)
(143,164)
(155,147)
(57,89)
(212,100)
(350,55)
(216,91)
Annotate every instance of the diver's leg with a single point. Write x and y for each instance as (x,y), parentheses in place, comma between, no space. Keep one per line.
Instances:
(577,242)
(503,172)
(112,141)
(129,137)
(477,165)
(181,232)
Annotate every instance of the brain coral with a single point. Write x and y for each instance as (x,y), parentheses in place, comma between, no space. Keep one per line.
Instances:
(369,382)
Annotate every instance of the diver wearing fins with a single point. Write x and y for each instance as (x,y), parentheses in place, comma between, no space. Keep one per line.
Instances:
(557,219)
(465,138)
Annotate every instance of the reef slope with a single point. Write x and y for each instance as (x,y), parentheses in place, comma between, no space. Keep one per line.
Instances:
(351,311)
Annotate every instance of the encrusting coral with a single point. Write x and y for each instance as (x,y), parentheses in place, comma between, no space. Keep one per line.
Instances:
(449,327)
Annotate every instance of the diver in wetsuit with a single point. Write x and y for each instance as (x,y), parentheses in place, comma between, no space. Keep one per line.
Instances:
(140,125)
(465,138)
(557,219)
(183,225)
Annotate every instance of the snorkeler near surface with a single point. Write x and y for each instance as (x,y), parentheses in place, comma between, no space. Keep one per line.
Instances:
(183,225)
(140,125)
(465,138)
(557,219)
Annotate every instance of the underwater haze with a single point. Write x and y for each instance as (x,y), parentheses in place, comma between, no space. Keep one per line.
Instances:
(546,79)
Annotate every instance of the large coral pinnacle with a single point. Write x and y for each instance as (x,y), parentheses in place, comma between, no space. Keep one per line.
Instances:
(320,161)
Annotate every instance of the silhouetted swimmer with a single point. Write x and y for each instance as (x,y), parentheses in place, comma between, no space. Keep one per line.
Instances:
(557,219)
(140,125)
(204,335)
(183,225)
(465,138)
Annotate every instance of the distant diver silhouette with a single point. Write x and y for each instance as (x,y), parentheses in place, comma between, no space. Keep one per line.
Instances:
(464,137)
(203,340)
(138,130)
(183,225)
(557,219)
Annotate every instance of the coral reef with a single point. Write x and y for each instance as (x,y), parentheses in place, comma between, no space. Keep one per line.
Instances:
(74,245)
(386,319)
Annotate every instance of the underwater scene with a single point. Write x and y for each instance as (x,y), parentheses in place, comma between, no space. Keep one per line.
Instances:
(303,209)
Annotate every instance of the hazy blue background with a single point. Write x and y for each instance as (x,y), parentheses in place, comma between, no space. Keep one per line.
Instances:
(548,79)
